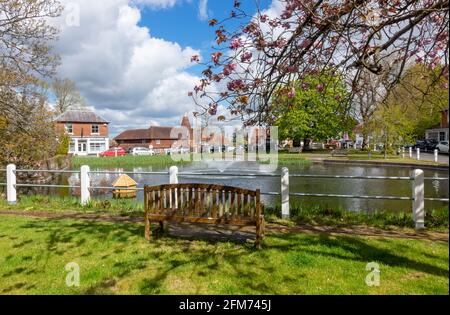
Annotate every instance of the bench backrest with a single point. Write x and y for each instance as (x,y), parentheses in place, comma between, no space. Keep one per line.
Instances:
(203,202)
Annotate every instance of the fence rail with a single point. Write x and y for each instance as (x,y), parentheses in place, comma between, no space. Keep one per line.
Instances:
(417,178)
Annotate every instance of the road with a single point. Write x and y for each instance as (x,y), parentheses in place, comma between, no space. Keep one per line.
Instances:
(442,158)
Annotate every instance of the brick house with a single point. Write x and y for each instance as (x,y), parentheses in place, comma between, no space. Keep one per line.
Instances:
(88,131)
(440,131)
(156,137)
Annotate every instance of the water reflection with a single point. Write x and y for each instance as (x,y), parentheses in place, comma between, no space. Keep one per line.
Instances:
(433,188)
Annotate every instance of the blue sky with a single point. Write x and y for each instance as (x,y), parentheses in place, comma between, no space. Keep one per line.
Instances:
(184,24)
(130,59)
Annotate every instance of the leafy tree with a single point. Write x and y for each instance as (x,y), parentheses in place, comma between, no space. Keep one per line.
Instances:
(28,142)
(409,107)
(310,110)
(63,144)
(26,129)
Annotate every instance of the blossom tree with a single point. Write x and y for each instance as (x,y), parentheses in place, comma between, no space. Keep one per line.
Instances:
(272,51)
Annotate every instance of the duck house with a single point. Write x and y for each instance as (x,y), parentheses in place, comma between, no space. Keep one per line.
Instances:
(124,187)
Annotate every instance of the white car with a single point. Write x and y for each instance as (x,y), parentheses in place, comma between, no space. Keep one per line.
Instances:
(442,147)
(142,151)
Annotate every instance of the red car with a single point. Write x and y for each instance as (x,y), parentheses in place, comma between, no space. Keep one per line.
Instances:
(113,152)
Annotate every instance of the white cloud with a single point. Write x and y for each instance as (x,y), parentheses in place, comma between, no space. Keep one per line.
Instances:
(157,4)
(203,9)
(128,76)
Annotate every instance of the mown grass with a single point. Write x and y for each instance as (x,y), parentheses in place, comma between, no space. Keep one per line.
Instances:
(354,155)
(437,219)
(126,161)
(114,258)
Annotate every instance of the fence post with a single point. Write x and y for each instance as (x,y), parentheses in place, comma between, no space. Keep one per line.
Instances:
(173,179)
(11,193)
(85,184)
(418,153)
(403,152)
(418,206)
(435,155)
(173,175)
(410,152)
(285,193)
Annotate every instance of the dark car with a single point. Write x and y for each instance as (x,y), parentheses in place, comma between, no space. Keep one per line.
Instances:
(426,145)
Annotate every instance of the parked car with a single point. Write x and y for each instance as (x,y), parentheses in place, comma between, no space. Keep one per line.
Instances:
(118,151)
(142,151)
(442,147)
(426,145)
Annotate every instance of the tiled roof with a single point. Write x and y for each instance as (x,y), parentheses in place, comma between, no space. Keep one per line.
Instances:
(134,134)
(157,132)
(80,116)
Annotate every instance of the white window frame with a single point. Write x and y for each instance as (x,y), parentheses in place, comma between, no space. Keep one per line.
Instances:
(66,127)
(158,141)
(98,129)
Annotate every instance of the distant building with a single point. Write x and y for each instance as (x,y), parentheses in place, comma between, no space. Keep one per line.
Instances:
(88,131)
(156,137)
(440,131)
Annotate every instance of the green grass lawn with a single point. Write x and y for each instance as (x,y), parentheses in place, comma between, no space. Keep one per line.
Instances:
(305,157)
(114,258)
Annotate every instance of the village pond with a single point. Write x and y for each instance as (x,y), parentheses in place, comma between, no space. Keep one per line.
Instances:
(373,187)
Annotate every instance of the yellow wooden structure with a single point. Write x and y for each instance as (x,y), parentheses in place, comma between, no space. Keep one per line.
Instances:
(124,187)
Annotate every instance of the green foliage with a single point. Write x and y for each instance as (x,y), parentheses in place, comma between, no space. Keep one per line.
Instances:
(413,105)
(127,161)
(63,144)
(312,113)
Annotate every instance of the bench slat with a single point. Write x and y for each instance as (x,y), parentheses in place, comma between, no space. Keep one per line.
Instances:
(203,203)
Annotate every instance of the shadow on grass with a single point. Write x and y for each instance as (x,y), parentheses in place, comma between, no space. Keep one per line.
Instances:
(168,253)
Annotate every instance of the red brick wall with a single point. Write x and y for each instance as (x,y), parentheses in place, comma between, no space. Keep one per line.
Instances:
(79,128)
(164,144)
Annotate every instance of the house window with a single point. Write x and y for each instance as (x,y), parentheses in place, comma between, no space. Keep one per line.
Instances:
(72,146)
(158,141)
(97,146)
(94,129)
(69,128)
(442,136)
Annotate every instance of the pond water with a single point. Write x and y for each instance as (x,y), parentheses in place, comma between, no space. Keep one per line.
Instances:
(433,188)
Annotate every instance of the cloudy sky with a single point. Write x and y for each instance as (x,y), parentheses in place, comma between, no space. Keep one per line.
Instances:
(131,58)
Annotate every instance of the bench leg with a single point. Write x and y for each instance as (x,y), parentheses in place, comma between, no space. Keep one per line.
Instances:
(147,227)
(258,233)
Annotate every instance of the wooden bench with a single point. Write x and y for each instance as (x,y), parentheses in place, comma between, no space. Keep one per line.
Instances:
(203,203)
(339,152)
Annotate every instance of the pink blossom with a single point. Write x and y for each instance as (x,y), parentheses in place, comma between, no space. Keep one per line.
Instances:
(216,57)
(320,87)
(236,85)
(212,109)
(236,43)
(246,56)
(228,69)
(195,58)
